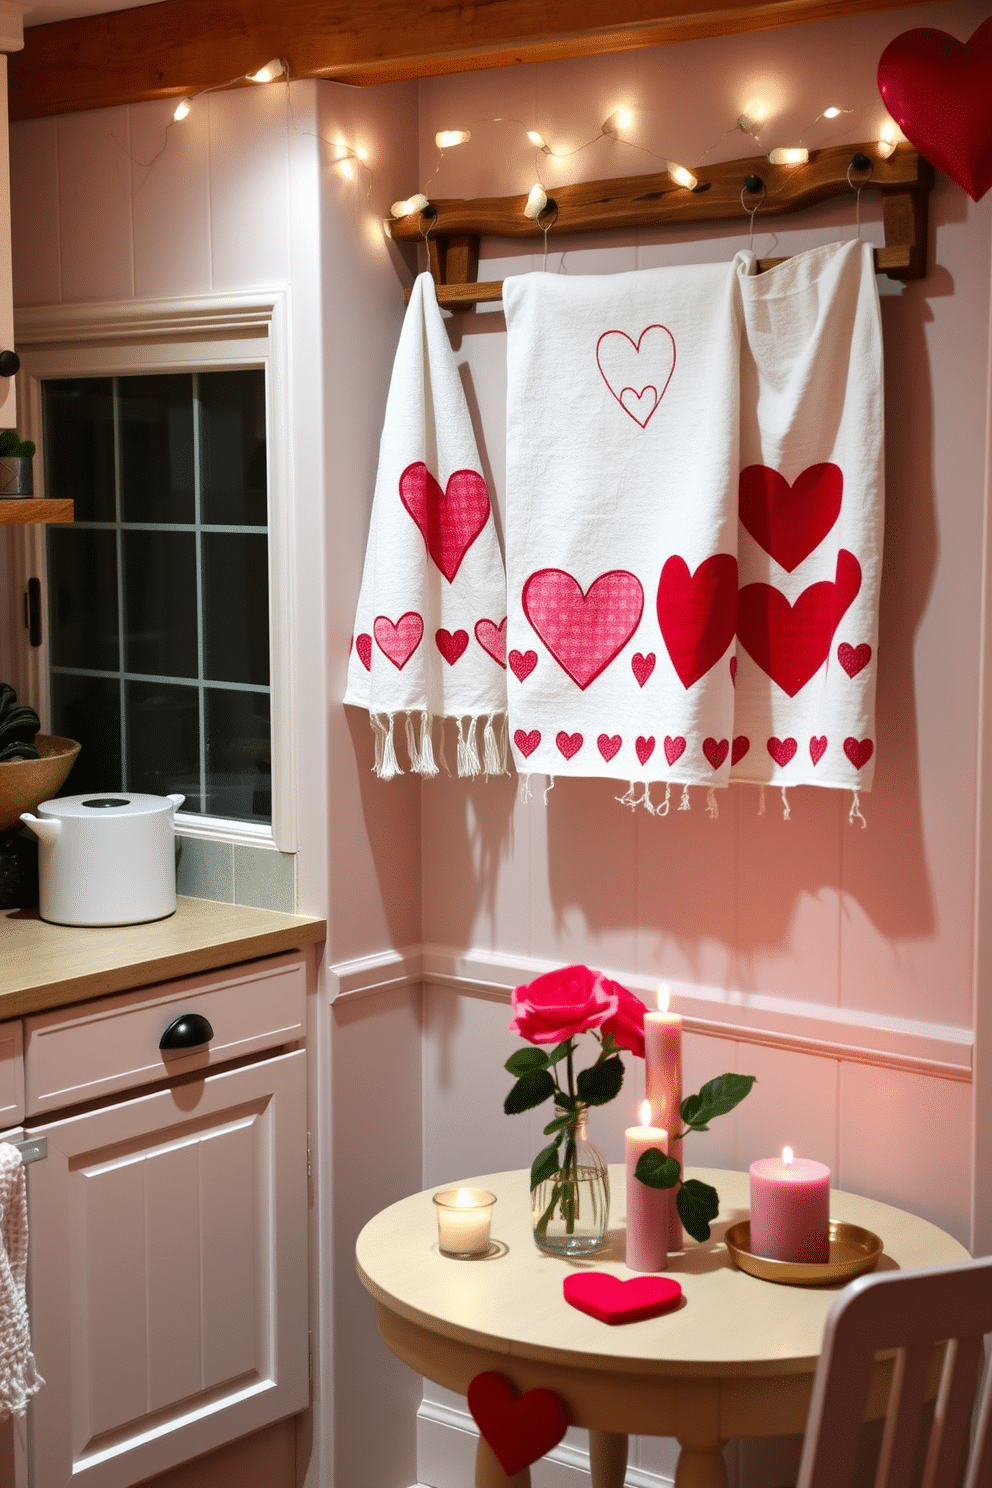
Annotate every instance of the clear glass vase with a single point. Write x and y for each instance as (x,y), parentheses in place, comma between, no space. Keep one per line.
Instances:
(571,1209)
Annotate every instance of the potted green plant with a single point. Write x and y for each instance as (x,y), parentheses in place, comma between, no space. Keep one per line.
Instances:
(16,454)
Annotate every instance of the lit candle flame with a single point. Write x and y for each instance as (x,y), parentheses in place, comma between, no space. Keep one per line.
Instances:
(465,1199)
(664,997)
(645,1113)
(787,1156)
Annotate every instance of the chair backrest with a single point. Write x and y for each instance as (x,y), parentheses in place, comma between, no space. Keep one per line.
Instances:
(909,1313)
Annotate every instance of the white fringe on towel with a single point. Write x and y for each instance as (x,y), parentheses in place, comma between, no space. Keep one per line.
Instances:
(19,1377)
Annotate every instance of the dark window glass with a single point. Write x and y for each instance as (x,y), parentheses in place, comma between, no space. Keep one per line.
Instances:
(79,461)
(160,603)
(156,442)
(82,588)
(236,608)
(163,732)
(89,709)
(232,449)
(239,763)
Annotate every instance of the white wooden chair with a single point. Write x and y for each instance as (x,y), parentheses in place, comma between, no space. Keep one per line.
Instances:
(910,1313)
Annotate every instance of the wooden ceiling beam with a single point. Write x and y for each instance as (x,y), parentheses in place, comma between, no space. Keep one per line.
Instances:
(181,46)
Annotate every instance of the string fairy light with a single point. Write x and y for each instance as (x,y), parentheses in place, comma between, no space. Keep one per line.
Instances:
(537,200)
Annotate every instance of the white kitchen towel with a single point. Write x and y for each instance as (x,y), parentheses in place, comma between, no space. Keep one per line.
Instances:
(621,523)
(19,1377)
(810,542)
(430,633)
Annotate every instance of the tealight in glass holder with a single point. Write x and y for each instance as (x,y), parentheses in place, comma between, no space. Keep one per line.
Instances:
(463,1219)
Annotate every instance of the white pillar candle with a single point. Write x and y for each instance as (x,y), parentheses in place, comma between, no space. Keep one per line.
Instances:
(663,1077)
(648,1209)
(790,1209)
(463,1218)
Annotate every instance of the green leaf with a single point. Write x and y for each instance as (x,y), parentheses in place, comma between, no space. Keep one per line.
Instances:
(558,1125)
(544,1166)
(565,1102)
(716,1098)
(525,1060)
(655,1170)
(601,1083)
(561,1051)
(697,1204)
(530,1090)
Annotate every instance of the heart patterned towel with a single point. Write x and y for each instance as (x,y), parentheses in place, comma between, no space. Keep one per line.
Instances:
(621,523)
(19,1377)
(810,541)
(430,633)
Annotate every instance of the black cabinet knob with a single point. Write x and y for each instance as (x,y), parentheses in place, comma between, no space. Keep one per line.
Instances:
(188,1031)
(10,363)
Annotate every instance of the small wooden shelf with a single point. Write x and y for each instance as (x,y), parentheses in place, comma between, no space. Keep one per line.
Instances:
(23,510)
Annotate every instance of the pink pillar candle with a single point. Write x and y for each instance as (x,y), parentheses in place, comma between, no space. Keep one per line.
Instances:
(663,1077)
(648,1209)
(790,1209)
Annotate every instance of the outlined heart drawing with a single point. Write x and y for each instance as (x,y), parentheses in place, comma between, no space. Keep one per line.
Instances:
(451,644)
(697,613)
(522,663)
(637,373)
(492,638)
(363,645)
(398,641)
(791,642)
(449,520)
(790,522)
(518,1431)
(584,631)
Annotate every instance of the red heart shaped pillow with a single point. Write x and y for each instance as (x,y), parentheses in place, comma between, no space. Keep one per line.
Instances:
(613,1300)
(939,91)
(519,1431)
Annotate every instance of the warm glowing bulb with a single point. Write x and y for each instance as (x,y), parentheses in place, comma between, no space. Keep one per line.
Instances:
(787,1156)
(361,153)
(536,202)
(664,997)
(645,1113)
(886,148)
(624,118)
(269,72)
(684,177)
(831,112)
(756,110)
(445,139)
(888,131)
(347,169)
(793,156)
(182,108)
(412,204)
(535,138)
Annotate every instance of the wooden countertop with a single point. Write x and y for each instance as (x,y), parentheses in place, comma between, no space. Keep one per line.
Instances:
(44,966)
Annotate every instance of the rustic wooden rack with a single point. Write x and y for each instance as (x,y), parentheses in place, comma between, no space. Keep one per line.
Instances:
(453,228)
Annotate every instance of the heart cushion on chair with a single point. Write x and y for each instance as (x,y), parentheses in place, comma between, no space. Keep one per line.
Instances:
(613,1300)
(519,1431)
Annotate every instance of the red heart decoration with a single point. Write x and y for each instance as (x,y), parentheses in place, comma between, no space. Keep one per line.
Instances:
(939,91)
(451,644)
(363,645)
(584,631)
(791,642)
(608,746)
(492,638)
(518,1431)
(782,750)
(642,666)
(697,613)
(527,743)
(635,370)
(522,663)
(450,520)
(568,744)
(398,641)
(853,659)
(790,522)
(715,751)
(611,1299)
(733,670)
(858,751)
(645,748)
(739,748)
(674,748)
(817,748)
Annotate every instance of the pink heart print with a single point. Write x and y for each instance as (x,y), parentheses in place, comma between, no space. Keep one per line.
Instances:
(782,750)
(715,751)
(858,751)
(449,520)
(817,748)
(568,744)
(637,373)
(584,631)
(645,748)
(739,748)
(609,745)
(522,663)
(398,641)
(527,743)
(451,644)
(642,666)
(363,645)
(492,638)
(853,659)
(674,748)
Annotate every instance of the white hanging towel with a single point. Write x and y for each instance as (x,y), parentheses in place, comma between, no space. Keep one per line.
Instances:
(621,523)
(810,543)
(19,1377)
(430,633)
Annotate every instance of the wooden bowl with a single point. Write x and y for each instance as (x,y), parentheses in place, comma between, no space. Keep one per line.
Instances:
(23,783)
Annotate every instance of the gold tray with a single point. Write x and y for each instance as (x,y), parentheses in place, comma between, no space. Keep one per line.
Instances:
(853,1251)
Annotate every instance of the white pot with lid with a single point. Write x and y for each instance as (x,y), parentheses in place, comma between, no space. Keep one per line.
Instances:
(106,859)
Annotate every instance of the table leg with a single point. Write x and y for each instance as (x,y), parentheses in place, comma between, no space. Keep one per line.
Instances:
(701,1465)
(489,1474)
(607,1459)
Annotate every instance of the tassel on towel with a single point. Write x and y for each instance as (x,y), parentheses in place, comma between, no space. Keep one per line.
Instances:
(19,1377)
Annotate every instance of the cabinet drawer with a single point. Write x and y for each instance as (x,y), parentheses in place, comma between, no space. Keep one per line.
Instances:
(79,1054)
(11,1075)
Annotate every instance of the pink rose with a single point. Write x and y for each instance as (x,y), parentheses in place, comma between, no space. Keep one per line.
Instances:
(627,1023)
(561,1003)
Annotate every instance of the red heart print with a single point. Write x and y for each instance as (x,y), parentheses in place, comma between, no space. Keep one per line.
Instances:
(858,751)
(937,90)
(645,748)
(450,520)
(492,638)
(363,645)
(791,642)
(674,748)
(614,1300)
(527,743)
(519,1432)
(790,522)
(398,641)
(697,613)
(715,751)
(733,670)
(609,745)
(583,631)
(635,370)
(853,659)
(522,663)
(782,750)
(568,744)
(451,644)
(817,748)
(739,748)
(642,666)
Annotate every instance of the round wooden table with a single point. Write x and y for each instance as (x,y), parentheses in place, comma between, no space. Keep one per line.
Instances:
(737,1359)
